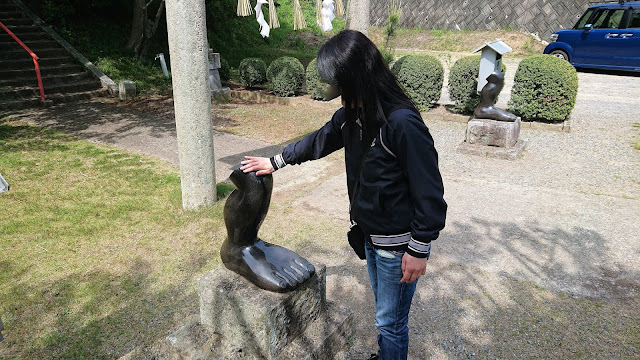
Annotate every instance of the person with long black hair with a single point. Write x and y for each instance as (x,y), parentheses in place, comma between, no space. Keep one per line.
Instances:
(394,184)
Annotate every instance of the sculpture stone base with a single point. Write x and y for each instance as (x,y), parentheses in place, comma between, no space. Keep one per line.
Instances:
(492,138)
(510,153)
(492,132)
(222,93)
(240,319)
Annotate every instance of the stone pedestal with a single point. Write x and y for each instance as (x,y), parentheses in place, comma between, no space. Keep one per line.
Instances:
(127,90)
(238,317)
(215,84)
(492,138)
(492,132)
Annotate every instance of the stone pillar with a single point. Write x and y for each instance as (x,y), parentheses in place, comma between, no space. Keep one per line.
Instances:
(127,90)
(358,16)
(187,30)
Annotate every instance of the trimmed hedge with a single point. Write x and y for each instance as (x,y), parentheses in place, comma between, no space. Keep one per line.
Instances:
(463,83)
(225,69)
(545,88)
(285,76)
(252,71)
(422,77)
(315,86)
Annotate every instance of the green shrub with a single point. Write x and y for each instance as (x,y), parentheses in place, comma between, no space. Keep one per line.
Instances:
(285,76)
(252,71)
(463,83)
(225,69)
(544,88)
(315,86)
(422,77)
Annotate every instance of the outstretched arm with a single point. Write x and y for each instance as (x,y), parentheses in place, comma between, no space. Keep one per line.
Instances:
(261,165)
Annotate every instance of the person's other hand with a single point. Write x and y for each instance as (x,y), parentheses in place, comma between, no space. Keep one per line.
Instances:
(261,165)
(412,268)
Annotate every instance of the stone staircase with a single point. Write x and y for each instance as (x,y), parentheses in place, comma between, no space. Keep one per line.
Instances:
(63,77)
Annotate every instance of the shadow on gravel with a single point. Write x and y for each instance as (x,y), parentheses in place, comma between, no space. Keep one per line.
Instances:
(578,261)
(494,290)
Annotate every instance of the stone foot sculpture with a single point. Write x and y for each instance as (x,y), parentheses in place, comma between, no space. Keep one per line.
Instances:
(268,266)
(488,96)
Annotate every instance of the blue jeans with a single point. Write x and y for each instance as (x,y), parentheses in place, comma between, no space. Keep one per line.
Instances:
(393,301)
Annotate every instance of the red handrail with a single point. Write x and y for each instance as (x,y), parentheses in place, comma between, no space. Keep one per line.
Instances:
(33,56)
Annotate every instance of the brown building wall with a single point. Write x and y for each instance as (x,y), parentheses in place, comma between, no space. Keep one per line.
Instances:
(542,17)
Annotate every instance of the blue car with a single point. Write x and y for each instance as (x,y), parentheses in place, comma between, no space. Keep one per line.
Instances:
(607,36)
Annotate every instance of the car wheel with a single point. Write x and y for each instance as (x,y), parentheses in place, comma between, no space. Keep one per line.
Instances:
(560,54)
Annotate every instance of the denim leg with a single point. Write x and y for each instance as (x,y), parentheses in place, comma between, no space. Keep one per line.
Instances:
(393,301)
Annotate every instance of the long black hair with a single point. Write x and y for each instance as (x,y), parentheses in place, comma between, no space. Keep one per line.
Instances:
(352,61)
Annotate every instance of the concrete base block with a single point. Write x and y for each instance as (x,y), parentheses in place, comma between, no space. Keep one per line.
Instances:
(240,320)
(323,339)
(510,153)
(257,320)
(492,132)
(127,90)
(222,93)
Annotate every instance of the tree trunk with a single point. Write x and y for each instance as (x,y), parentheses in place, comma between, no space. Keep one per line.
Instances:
(154,28)
(137,25)
(358,16)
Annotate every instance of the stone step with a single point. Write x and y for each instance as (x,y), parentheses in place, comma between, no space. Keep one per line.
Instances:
(17,104)
(16,22)
(35,44)
(10,13)
(17,92)
(41,53)
(26,62)
(30,78)
(24,36)
(20,30)
(55,69)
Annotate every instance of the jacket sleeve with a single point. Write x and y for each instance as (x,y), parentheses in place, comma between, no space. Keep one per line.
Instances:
(414,148)
(318,144)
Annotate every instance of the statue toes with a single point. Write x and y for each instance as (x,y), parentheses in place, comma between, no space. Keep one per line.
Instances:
(290,278)
(283,282)
(306,265)
(302,269)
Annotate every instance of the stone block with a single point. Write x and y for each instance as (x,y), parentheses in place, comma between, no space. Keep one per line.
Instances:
(257,320)
(127,89)
(214,60)
(324,339)
(510,153)
(492,132)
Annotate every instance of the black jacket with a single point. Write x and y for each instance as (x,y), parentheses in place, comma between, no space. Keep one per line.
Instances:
(399,201)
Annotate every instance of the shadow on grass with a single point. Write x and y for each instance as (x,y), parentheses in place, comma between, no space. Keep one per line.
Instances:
(97,314)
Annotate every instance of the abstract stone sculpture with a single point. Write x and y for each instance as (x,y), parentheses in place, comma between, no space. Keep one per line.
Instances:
(268,266)
(488,96)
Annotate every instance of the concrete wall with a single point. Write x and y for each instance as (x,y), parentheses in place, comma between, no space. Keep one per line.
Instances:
(533,16)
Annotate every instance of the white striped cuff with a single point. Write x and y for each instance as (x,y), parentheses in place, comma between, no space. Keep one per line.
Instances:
(419,247)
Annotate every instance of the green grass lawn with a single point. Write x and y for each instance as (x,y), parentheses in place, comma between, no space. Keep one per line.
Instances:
(97,256)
